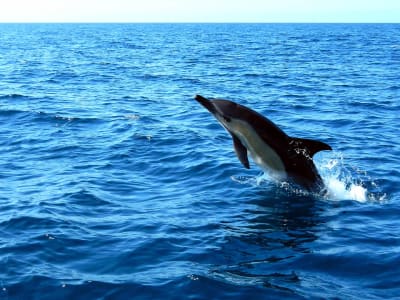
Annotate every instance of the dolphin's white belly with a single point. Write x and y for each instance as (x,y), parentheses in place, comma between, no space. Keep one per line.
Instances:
(262,154)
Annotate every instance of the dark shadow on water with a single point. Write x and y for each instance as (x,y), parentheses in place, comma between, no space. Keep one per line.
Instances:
(265,241)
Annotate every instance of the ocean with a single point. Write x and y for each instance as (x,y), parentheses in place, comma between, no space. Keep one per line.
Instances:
(116,184)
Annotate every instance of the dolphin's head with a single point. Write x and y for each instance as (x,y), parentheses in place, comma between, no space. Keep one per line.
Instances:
(223,110)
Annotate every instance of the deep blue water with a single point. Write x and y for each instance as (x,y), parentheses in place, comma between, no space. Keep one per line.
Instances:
(116,184)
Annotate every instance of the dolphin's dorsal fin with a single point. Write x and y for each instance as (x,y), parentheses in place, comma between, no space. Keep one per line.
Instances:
(311,146)
(241,151)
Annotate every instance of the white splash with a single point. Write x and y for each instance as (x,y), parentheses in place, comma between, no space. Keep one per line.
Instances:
(342,182)
(338,190)
(346,183)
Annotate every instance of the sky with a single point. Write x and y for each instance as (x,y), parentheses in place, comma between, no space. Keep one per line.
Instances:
(358,11)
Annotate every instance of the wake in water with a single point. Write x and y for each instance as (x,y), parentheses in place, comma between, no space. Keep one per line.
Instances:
(342,182)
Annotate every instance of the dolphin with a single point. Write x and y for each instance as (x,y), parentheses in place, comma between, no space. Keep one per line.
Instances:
(281,156)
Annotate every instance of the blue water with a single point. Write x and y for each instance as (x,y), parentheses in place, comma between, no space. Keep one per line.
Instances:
(116,184)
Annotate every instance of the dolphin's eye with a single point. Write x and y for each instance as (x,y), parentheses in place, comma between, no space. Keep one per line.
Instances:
(227,119)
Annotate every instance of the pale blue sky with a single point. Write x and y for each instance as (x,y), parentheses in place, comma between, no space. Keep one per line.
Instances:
(200,11)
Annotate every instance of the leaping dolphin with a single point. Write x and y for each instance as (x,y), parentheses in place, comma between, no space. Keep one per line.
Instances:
(278,154)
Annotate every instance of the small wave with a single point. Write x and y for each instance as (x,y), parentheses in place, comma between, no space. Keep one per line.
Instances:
(262,180)
(12,96)
(133,117)
(394,88)
(265,181)
(11,112)
(43,116)
(21,222)
(85,197)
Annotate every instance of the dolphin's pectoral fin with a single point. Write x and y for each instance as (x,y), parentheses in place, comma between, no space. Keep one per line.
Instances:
(241,151)
(311,146)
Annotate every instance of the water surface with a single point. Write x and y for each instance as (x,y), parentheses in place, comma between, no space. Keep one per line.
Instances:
(116,184)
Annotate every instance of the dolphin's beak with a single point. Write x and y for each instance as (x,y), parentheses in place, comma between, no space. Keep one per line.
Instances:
(206,103)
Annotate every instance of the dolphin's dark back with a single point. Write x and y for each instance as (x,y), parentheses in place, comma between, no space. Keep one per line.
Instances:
(264,127)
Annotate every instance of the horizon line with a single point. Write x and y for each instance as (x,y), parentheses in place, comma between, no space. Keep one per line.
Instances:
(195,22)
